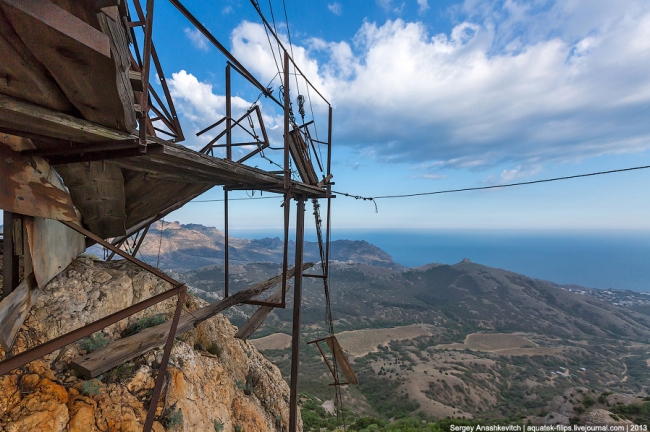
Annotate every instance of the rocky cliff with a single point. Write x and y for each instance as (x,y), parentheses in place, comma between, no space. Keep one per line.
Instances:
(214,381)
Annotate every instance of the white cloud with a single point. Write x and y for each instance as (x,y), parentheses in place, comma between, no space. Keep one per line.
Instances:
(196,37)
(523,83)
(423,6)
(335,8)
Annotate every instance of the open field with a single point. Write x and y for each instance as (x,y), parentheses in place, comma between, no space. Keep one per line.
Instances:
(362,342)
(276,341)
(500,343)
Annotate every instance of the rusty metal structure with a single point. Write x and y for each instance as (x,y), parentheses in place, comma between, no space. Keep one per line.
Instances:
(90,153)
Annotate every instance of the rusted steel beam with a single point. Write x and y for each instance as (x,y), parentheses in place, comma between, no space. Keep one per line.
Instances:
(229,127)
(318,276)
(285,248)
(238,66)
(266,138)
(143,234)
(226,247)
(170,102)
(146,63)
(212,126)
(39,351)
(297,300)
(266,23)
(162,370)
(328,223)
(121,253)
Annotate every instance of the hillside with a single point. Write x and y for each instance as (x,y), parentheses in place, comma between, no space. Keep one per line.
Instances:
(215,382)
(462,340)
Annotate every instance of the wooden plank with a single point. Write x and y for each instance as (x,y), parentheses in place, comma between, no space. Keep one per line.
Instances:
(258,317)
(13,311)
(52,16)
(23,76)
(30,191)
(97,189)
(300,154)
(342,360)
(31,118)
(114,354)
(82,67)
(52,247)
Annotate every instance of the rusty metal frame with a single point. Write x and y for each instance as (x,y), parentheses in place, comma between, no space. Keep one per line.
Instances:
(164,113)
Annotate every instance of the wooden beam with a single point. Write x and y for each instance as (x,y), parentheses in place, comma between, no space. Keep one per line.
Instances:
(56,18)
(52,247)
(13,311)
(256,320)
(341,360)
(30,118)
(97,189)
(84,62)
(23,76)
(98,362)
(9,258)
(28,190)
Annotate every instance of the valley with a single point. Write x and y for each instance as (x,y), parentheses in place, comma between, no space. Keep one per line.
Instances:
(460,341)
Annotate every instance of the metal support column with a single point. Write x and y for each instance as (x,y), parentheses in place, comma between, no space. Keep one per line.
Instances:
(287,178)
(226,255)
(10,261)
(297,299)
(146,63)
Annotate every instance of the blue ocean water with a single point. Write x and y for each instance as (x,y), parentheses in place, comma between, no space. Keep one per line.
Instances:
(617,259)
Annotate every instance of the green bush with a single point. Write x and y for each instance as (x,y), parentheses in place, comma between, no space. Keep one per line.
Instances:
(93,343)
(92,387)
(173,416)
(143,323)
(214,349)
(119,374)
(218,426)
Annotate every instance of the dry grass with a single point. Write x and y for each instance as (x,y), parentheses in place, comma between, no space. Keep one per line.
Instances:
(501,343)
(361,342)
(276,341)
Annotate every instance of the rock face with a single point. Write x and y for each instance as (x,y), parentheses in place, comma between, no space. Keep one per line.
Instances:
(214,381)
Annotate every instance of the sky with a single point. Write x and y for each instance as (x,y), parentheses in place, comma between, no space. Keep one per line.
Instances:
(433,95)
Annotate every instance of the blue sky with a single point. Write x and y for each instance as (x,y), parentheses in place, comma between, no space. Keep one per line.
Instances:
(432,95)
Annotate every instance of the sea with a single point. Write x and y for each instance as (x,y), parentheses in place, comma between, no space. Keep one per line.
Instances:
(616,259)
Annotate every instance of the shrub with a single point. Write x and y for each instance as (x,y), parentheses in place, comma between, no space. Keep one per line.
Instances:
(119,374)
(144,323)
(173,416)
(218,426)
(92,387)
(94,342)
(214,349)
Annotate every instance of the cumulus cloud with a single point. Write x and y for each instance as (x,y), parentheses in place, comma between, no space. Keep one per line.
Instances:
(196,37)
(523,83)
(335,8)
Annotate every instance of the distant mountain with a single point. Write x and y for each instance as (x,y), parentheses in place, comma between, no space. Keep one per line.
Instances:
(189,247)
